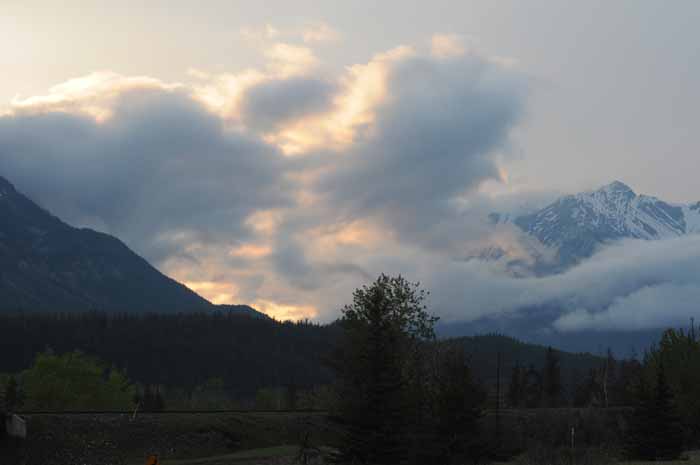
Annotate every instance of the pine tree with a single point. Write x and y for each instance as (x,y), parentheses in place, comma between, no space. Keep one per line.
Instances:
(657,432)
(152,400)
(458,399)
(642,424)
(532,388)
(13,395)
(552,385)
(668,437)
(515,388)
(383,331)
(587,393)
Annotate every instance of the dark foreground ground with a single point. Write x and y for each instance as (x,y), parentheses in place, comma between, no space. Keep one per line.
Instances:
(534,437)
(117,439)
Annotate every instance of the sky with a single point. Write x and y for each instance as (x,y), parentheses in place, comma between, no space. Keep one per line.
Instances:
(282,153)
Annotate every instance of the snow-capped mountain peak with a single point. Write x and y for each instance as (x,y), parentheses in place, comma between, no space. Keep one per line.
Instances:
(617,188)
(578,224)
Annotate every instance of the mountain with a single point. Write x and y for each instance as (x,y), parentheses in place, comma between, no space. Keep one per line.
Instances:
(46,264)
(576,225)
(483,351)
(561,235)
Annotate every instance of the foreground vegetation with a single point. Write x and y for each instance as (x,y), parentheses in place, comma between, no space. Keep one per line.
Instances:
(394,395)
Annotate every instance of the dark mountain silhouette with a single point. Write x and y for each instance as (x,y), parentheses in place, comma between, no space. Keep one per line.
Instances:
(46,264)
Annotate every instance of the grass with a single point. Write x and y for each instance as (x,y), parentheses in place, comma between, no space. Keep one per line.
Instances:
(238,457)
(693,458)
(689,458)
(178,439)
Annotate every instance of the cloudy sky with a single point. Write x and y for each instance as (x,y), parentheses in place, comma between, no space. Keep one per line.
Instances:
(283,153)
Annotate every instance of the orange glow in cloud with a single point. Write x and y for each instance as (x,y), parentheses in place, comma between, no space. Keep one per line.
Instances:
(285,311)
(326,243)
(364,87)
(264,222)
(215,292)
(289,60)
(223,93)
(503,174)
(360,233)
(251,251)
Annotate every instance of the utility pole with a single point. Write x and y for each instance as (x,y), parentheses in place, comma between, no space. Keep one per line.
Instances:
(498,399)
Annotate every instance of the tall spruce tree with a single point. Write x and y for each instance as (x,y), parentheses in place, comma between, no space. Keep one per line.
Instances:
(552,385)
(384,328)
(532,388)
(642,423)
(515,388)
(14,398)
(657,432)
(457,400)
(668,438)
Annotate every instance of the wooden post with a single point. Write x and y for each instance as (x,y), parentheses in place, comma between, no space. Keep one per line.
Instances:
(16,427)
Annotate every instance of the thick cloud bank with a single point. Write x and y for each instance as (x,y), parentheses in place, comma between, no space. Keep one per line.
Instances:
(629,286)
(286,188)
(160,167)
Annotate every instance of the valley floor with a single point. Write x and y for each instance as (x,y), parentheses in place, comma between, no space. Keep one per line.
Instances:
(285,455)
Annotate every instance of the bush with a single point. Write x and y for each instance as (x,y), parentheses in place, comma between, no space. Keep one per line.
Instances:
(75,381)
(540,454)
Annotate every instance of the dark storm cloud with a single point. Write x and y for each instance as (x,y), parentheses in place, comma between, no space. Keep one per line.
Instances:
(435,138)
(165,174)
(272,103)
(161,170)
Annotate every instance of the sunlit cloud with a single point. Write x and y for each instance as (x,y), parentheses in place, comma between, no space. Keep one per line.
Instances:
(222,93)
(215,291)
(362,88)
(94,94)
(251,251)
(238,221)
(265,222)
(289,60)
(284,312)
(447,45)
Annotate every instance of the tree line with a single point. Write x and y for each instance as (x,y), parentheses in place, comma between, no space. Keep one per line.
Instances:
(397,394)
(182,354)
(406,398)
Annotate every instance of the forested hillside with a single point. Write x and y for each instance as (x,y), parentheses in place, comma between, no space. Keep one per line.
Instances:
(244,352)
(177,350)
(482,352)
(47,265)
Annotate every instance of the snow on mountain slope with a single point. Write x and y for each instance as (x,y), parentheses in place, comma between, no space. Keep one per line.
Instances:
(576,225)
(692,218)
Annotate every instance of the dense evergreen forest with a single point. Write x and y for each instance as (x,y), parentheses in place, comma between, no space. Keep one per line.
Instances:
(245,353)
(184,350)
(393,390)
